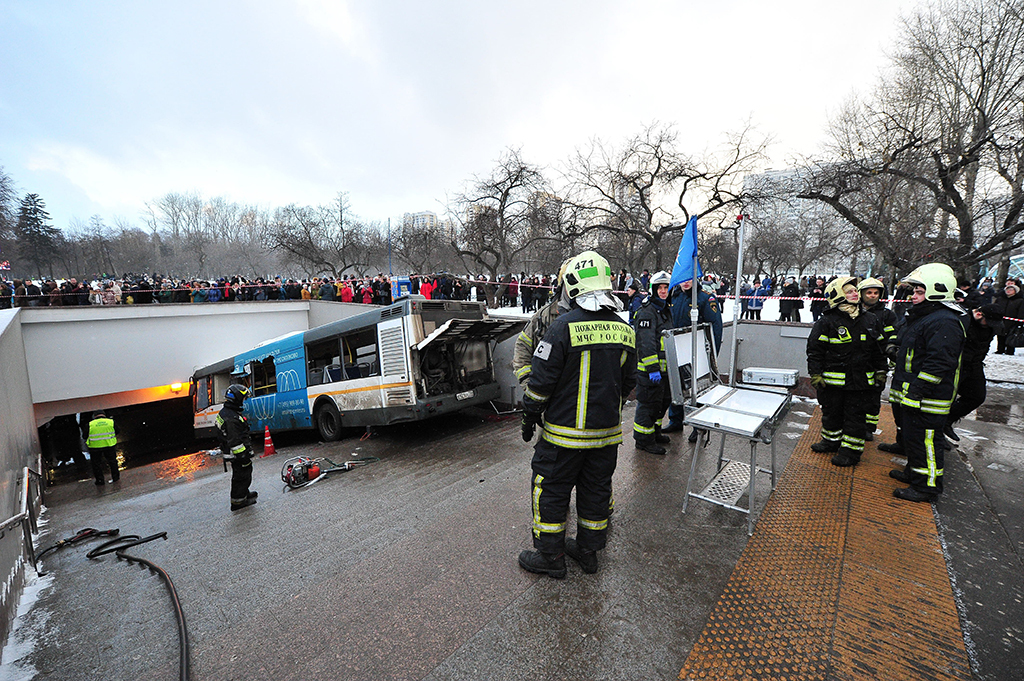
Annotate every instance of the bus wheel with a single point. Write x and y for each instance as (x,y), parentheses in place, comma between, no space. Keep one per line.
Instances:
(328,422)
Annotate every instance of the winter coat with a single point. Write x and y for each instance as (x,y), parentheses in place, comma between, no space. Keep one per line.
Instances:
(650,321)
(846,352)
(581,374)
(1010,307)
(928,362)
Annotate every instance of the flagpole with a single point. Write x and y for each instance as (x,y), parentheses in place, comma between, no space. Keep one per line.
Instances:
(737,305)
(694,315)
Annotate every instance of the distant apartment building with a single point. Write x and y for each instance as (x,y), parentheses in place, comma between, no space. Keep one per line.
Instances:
(423,220)
(780,204)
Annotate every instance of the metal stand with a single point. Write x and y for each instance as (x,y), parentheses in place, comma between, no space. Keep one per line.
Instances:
(732,479)
(753,413)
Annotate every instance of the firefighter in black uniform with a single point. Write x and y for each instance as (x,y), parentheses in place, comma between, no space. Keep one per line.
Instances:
(871,294)
(924,382)
(581,374)
(234,443)
(986,322)
(653,395)
(845,361)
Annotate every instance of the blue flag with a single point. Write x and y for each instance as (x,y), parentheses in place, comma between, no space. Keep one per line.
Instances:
(683,269)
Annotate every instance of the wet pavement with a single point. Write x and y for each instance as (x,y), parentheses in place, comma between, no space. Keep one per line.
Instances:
(405,569)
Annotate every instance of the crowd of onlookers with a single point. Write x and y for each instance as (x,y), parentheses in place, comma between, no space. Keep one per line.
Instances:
(141,290)
(526,291)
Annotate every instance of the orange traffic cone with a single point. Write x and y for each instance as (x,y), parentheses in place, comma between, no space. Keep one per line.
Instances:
(268,444)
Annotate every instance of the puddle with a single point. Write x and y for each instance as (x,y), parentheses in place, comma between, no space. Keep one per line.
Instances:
(1006,414)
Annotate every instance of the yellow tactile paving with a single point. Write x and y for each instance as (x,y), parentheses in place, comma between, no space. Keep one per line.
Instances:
(840,581)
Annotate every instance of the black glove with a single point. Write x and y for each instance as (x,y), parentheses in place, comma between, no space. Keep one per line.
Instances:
(892,352)
(529,425)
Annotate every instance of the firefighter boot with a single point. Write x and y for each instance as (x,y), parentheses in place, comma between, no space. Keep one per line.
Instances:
(911,494)
(651,447)
(891,448)
(543,563)
(586,559)
(660,437)
(239,505)
(825,447)
(844,460)
(900,474)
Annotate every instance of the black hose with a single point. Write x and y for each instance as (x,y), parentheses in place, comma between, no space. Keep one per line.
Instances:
(118,547)
(87,533)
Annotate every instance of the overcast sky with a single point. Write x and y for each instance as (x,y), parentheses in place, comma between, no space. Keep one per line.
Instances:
(107,105)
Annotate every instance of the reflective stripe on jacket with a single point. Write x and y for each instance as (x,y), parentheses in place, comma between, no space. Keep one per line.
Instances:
(845,352)
(582,371)
(928,364)
(101,433)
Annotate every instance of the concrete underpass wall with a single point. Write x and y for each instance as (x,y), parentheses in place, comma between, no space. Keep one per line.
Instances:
(776,345)
(19,447)
(84,358)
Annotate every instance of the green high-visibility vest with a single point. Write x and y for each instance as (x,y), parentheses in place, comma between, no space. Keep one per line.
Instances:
(101,433)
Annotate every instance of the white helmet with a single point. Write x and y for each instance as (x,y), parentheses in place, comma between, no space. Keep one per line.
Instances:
(938,280)
(661,277)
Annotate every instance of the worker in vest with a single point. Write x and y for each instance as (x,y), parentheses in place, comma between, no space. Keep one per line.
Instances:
(582,372)
(102,442)
(234,443)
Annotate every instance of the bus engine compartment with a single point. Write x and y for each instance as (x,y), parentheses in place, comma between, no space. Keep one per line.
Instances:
(454,366)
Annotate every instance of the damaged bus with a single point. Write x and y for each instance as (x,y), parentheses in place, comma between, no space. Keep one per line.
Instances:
(404,362)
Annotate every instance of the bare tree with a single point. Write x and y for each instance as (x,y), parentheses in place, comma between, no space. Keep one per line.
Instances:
(944,124)
(647,189)
(323,239)
(493,216)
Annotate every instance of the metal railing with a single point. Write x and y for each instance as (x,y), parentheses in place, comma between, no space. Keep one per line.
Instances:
(27,516)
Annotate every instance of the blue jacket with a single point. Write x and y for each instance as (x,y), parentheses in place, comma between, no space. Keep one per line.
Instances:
(757,302)
(709,310)
(635,302)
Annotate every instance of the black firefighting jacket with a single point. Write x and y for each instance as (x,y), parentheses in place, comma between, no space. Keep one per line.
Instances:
(649,323)
(581,374)
(928,364)
(234,433)
(846,352)
(887,320)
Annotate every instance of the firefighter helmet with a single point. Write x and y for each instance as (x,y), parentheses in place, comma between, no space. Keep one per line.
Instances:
(588,281)
(870,282)
(938,281)
(235,395)
(661,277)
(834,291)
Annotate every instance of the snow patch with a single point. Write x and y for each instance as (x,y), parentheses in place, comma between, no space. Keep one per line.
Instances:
(19,647)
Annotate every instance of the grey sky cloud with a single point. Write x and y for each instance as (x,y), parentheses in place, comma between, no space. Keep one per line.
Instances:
(105,106)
